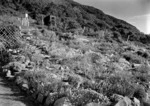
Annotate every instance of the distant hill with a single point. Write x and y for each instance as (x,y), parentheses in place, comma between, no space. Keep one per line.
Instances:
(79,15)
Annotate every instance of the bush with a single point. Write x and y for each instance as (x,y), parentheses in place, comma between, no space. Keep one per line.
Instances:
(112,84)
(143,54)
(117,36)
(5,57)
(133,58)
(142,79)
(143,69)
(83,96)
(117,84)
(139,93)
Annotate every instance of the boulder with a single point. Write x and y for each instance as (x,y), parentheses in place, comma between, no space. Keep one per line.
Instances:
(116,97)
(62,102)
(93,104)
(18,80)
(5,71)
(21,58)
(33,84)
(34,95)
(118,67)
(124,63)
(8,74)
(124,102)
(147,97)
(136,102)
(25,87)
(128,101)
(48,101)
(40,88)
(121,103)
(51,98)
(40,98)
(30,66)
(15,66)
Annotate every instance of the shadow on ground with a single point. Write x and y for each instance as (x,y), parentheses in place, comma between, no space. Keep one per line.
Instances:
(10,92)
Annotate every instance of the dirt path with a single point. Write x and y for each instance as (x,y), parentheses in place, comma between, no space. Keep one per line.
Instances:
(10,95)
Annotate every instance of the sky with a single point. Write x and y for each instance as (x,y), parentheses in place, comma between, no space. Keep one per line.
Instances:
(135,12)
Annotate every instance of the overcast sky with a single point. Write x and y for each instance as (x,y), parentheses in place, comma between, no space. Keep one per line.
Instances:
(136,12)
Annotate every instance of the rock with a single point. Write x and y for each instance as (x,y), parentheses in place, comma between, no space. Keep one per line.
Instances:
(136,65)
(8,74)
(18,80)
(116,97)
(34,84)
(46,93)
(62,102)
(40,98)
(30,66)
(124,63)
(121,103)
(124,102)
(46,56)
(47,102)
(5,70)
(136,102)
(123,60)
(144,103)
(146,97)
(128,101)
(51,98)
(25,87)
(10,50)
(55,76)
(28,38)
(93,104)
(21,58)
(40,88)
(34,95)
(118,67)
(15,66)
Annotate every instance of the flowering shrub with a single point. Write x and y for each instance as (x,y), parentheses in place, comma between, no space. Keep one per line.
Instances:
(81,97)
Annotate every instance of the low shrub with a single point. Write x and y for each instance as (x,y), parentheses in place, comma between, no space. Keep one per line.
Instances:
(139,93)
(81,97)
(5,57)
(142,79)
(133,58)
(117,84)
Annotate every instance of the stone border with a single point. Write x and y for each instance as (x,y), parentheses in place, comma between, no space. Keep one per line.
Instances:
(40,99)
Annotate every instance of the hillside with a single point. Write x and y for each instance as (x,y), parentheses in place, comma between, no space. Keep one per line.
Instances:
(104,65)
(79,15)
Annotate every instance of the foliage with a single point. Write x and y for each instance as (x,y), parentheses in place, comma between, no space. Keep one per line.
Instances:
(133,58)
(140,93)
(84,96)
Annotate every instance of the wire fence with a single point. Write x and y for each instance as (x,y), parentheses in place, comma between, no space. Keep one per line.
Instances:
(10,35)
(9,29)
